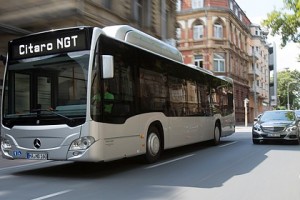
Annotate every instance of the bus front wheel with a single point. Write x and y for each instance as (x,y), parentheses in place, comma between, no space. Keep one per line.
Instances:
(153,146)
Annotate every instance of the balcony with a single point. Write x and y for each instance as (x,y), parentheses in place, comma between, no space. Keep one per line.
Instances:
(251,73)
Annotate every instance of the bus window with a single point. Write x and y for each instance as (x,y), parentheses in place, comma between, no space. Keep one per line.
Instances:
(177,96)
(153,91)
(44,92)
(22,88)
(192,98)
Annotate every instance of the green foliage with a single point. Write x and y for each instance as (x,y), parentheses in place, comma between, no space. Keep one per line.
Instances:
(285,22)
(293,79)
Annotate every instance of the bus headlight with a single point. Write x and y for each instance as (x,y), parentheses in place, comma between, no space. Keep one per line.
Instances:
(5,144)
(82,143)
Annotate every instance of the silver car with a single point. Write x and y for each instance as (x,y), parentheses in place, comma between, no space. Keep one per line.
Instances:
(276,125)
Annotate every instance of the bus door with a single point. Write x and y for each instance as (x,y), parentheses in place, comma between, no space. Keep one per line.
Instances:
(34,89)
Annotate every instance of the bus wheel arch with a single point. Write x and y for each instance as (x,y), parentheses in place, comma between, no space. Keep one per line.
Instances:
(217,133)
(154,142)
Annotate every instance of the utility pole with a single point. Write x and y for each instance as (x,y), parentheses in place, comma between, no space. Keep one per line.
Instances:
(254,82)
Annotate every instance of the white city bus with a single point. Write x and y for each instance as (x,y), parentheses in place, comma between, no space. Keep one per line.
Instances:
(90,94)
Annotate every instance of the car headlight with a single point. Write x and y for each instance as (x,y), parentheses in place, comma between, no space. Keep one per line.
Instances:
(5,144)
(257,127)
(82,143)
(291,128)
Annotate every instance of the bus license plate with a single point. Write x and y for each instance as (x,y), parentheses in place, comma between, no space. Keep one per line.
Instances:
(37,156)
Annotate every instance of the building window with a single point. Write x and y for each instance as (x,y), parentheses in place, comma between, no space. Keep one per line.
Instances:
(219,62)
(141,13)
(197,4)
(218,30)
(178,5)
(198,61)
(231,5)
(106,4)
(239,40)
(236,11)
(198,32)
(178,33)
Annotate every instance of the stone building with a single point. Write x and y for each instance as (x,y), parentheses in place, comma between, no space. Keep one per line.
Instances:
(155,17)
(217,35)
(259,71)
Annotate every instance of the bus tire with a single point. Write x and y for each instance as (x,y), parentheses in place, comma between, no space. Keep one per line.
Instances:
(153,145)
(217,135)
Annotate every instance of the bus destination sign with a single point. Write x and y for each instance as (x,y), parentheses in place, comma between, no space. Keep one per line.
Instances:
(48,43)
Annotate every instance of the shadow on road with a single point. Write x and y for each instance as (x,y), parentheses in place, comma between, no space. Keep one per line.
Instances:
(207,167)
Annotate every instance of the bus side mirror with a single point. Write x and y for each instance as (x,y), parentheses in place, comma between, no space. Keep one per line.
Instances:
(107,66)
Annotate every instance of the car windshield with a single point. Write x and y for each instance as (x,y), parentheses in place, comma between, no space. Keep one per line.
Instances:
(297,112)
(278,116)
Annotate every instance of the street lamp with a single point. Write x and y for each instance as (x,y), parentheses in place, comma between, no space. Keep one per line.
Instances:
(288,98)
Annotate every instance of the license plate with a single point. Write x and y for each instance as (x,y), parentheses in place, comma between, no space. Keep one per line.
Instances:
(273,135)
(37,156)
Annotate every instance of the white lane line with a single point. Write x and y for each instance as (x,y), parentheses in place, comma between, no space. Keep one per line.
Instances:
(6,177)
(52,195)
(170,161)
(230,143)
(25,165)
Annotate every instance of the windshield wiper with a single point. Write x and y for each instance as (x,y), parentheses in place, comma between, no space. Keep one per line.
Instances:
(38,112)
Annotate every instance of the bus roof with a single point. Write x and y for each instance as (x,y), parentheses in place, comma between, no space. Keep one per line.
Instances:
(133,36)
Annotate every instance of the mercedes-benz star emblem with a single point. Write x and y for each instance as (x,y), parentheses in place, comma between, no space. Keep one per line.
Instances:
(37,143)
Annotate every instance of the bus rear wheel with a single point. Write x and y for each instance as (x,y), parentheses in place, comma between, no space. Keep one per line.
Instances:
(153,145)
(217,135)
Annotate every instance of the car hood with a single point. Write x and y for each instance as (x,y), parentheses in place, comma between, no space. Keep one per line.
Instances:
(276,123)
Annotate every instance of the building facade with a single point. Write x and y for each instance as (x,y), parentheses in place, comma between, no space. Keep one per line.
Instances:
(155,17)
(218,36)
(259,79)
(273,75)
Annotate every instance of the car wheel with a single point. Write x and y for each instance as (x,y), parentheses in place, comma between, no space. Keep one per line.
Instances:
(255,141)
(298,141)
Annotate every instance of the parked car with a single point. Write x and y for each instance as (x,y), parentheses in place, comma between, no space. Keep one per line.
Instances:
(276,125)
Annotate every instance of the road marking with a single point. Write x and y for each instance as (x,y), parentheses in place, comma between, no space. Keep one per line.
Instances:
(25,165)
(170,161)
(6,177)
(230,143)
(52,195)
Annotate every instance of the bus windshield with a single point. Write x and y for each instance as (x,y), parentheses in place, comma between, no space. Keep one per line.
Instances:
(47,87)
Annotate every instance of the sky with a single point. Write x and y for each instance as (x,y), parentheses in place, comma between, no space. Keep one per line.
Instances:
(256,11)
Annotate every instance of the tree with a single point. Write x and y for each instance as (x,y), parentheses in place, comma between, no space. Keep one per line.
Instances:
(293,79)
(285,22)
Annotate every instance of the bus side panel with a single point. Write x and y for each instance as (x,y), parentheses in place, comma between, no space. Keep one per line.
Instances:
(188,130)
(228,125)
(129,139)
(206,127)
(122,140)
